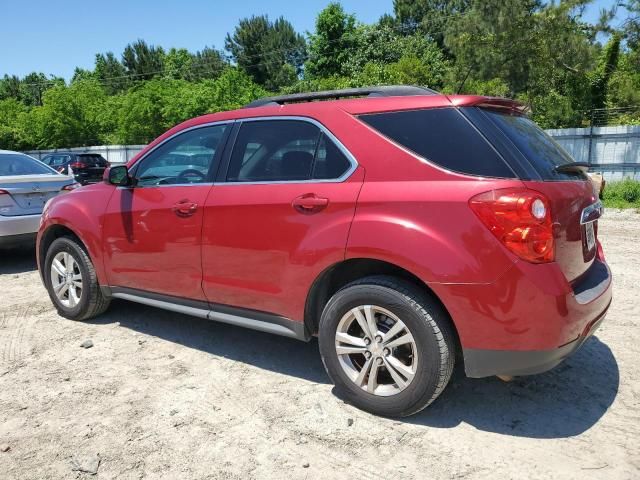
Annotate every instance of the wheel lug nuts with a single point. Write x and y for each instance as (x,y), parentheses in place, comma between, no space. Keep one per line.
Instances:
(386,352)
(367,341)
(367,354)
(379,361)
(378,338)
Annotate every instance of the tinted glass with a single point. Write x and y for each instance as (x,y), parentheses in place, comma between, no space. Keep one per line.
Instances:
(330,162)
(538,147)
(17,164)
(92,159)
(56,160)
(273,150)
(444,137)
(187,158)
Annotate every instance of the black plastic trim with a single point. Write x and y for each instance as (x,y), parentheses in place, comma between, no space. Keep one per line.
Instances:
(253,319)
(479,363)
(381,91)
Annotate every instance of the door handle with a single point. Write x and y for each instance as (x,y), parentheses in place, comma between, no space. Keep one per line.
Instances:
(185,208)
(309,203)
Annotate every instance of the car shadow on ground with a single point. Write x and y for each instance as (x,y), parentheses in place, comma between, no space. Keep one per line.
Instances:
(561,403)
(271,352)
(18,260)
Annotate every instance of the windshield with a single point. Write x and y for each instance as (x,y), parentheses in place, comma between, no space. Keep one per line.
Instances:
(19,164)
(540,149)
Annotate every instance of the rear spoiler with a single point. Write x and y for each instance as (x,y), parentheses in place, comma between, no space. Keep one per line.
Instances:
(495,103)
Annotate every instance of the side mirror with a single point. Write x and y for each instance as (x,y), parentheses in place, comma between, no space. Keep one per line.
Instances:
(119,176)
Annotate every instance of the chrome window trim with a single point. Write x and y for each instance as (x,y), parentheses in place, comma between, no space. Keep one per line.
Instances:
(352,160)
(141,159)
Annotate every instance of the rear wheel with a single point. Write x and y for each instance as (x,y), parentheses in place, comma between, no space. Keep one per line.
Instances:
(387,346)
(72,282)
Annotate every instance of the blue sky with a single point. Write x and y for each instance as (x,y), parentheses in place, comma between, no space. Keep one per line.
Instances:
(56,36)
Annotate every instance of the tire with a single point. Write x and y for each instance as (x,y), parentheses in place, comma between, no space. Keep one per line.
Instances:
(90,302)
(433,346)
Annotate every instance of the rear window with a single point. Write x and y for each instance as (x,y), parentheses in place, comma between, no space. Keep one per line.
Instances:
(92,159)
(442,136)
(17,164)
(540,149)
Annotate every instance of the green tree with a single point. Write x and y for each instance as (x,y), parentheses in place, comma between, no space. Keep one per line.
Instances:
(70,116)
(111,73)
(272,53)
(208,63)
(332,43)
(142,61)
(12,134)
(607,65)
(433,17)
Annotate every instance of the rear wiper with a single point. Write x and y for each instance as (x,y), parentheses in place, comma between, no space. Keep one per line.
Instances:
(573,167)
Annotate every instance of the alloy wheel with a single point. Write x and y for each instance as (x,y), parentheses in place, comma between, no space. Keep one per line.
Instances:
(376,350)
(66,279)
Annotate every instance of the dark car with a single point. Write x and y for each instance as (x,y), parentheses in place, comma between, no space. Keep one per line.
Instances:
(408,230)
(87,167)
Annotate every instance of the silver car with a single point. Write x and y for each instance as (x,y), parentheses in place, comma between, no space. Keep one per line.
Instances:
(25,186)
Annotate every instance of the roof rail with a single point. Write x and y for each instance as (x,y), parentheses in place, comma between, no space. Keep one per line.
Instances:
(381,91)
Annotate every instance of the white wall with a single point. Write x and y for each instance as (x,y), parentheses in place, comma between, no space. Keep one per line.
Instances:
(614,151)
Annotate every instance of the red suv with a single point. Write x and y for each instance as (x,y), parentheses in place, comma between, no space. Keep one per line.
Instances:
(407,229)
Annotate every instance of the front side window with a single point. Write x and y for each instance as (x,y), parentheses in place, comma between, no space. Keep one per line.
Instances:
(187,158)
(284,150)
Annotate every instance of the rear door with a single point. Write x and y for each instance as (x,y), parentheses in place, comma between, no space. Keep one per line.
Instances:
(573,201)
(152,230)
(279,215)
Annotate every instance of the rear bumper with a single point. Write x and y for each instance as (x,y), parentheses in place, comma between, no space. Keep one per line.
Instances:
(529,320)
(485,363)
(19,225)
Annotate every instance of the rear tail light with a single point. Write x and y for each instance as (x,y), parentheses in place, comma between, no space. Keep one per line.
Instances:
(77,165)
(70,187)
(520,219)
(3,192)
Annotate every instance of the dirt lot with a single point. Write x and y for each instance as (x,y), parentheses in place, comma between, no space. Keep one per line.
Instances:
(162,395)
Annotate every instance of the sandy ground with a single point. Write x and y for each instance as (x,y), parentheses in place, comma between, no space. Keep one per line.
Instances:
(162,395)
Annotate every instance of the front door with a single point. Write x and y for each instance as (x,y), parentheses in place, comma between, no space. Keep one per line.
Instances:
(152,230)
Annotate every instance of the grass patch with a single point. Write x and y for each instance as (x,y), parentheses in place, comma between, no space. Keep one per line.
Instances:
(624,194)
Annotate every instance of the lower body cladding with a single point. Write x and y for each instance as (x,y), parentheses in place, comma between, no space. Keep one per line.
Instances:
(529,320)
(264,322)
(18,230)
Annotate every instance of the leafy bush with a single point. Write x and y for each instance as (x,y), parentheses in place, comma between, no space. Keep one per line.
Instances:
(624,194)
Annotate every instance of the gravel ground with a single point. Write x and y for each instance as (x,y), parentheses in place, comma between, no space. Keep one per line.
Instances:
(160,395)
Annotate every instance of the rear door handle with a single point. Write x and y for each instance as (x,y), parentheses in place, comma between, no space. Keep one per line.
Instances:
(309,203)
(185,208)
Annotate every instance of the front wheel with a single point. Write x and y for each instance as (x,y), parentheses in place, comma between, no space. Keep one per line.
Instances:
(71,280)
(387,346)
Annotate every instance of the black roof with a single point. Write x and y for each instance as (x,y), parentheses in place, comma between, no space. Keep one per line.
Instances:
(380,91)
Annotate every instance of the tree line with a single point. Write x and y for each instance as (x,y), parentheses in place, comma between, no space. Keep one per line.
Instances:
(544,54)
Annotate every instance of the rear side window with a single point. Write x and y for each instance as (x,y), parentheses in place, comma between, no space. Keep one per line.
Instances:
(284,151)
(18,164)
(442,136)
(540,149)
(56,160)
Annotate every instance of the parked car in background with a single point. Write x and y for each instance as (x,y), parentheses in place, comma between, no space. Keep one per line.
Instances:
(25,187)
(408,230)
(86,167)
